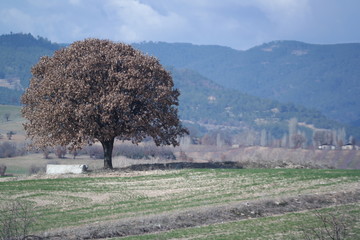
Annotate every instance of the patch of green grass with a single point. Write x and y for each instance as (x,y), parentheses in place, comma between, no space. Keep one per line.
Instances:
(74,201)
(16,170)
(287,226)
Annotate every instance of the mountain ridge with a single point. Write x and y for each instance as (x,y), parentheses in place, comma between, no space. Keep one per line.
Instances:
(202,100)
(318,76)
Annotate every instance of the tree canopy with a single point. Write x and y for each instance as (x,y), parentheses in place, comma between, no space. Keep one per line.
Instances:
(100,90)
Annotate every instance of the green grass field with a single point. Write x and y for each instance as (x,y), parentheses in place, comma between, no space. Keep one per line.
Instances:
(288,226)
(76,201)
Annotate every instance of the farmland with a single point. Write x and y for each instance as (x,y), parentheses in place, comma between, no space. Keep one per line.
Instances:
(287,226)
(105,201)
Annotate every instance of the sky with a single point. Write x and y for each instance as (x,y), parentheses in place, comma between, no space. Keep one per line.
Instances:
(239,24)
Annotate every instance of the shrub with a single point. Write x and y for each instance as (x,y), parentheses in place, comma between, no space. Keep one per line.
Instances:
(184,157)
(60,151)
(130,151)
(2,169)
(16,219)
(8,150)
(144,152)
(74,153)
(33,169)
(46,152)
(95,152)
(10,134)
(332,225)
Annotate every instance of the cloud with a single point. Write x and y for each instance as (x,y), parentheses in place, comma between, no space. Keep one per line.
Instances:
(75,2)
(285,12)
(13,18)
(236,23)
(136,21)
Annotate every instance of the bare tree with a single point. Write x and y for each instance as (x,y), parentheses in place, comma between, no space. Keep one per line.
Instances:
(10,134)
(323,137)
(331,225)
(16,220)
(352,141)
(74,152)
(341,136)
(293,122)
(298,140)
(46,152)
(263,138)
(100,90)
(60,151)
(7,117)
(285,141)
(2,169)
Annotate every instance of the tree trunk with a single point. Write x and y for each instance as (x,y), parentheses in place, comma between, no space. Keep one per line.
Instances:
(108,146)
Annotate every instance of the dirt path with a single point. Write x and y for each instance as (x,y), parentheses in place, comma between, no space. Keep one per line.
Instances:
(205,216)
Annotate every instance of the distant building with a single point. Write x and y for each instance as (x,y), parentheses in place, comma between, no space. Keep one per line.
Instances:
(326,147)
(349,146)
(211,99)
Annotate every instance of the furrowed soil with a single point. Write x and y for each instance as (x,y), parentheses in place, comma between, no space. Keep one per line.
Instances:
(121,203)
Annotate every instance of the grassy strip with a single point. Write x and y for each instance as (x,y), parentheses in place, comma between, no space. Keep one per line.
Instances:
(287,226)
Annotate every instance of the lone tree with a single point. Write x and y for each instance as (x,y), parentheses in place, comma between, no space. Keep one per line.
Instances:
(100,90)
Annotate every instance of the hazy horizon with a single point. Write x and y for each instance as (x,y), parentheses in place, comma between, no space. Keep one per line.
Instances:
(239,24)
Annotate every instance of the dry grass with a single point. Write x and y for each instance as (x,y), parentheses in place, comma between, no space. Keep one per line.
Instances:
(265,157)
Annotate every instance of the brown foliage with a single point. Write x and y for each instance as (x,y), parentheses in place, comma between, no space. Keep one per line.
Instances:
(100,90)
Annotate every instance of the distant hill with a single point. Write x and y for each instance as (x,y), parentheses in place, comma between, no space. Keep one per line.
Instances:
(18,52)
(202,101)
(322,77)
(205,102)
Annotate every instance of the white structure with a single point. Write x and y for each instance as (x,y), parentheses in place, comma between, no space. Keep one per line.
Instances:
(61,169)
(350,147)
(327,147)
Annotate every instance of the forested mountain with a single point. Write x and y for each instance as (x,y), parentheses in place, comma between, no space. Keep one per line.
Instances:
(322,77)
(18,52)
(202,101)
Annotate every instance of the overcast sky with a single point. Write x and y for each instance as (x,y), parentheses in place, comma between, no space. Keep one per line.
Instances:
(239,24)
